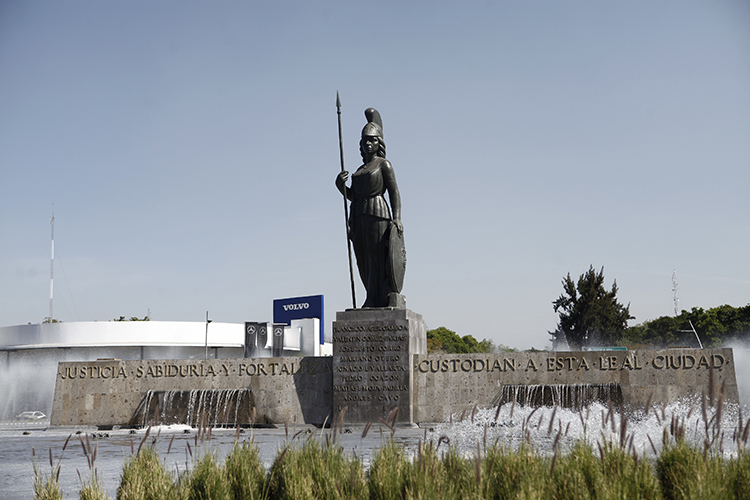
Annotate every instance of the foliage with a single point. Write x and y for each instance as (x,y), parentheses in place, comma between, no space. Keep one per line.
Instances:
(715,326)
(442,340)
(393,475)
(447,476)
(314,471)
(496,472)
(47,487)
(686,473)
(516,474)
(320,469)
(133,318)
(47,319)
(93,490)
(207,481)
(433,345)
(738,472)
(387,472)
(614,473)
(145,478)
(245,472)
(589,314)
(503,348)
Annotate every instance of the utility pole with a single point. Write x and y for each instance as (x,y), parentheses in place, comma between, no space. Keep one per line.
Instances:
(207,322)
(52,268)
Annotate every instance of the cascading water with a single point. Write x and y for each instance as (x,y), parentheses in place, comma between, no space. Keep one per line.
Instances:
(214,408)
(719,427)
(573,396)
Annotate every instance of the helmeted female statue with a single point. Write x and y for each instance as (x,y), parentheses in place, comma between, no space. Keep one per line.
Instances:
(377,236)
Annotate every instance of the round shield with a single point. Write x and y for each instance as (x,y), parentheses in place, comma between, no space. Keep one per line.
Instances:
(396,259)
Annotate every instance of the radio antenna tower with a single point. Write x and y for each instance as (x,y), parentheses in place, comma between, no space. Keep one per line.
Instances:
(52,267)
(674,290)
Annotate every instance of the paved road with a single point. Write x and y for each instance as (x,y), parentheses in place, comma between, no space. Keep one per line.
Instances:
(18,441)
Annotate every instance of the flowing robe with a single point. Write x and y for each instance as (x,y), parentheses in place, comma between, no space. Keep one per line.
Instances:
(370,221)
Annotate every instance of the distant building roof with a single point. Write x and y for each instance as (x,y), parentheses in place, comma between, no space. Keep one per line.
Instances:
(121,333)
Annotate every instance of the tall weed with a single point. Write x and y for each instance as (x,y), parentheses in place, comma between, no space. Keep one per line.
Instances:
(430,476)
(93,489)
(145,478)
(686,473)
(47,486)
(738,476)
(624,475)
(207,481)
(516,474)
(319,469)
(245,473)
(387,473)
(312,472)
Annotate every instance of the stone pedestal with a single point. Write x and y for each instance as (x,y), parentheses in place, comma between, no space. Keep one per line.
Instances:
(372,362)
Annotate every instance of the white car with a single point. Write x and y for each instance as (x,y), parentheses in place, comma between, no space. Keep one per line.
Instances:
(31,415)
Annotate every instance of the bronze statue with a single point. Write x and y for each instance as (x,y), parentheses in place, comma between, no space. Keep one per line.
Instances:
(377,237)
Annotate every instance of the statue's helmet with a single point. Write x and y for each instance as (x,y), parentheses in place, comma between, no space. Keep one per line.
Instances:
(374,125)
(372,129)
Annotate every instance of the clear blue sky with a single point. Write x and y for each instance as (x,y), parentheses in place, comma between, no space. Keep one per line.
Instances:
(190,150)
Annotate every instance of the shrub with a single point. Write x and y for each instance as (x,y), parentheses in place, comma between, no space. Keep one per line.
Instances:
(738,472)
(93,490)
(207,481)
(47,487)
(144,478)
(387,472)
(516,474)
(314,472)
(686,473)
(245,473)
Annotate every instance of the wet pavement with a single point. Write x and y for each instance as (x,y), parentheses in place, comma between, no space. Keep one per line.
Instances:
(19,442)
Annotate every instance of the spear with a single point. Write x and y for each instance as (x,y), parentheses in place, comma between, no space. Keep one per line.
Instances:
(346,206)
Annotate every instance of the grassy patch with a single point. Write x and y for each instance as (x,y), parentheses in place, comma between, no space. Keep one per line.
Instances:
(314,471)
(245,473)
(144,477)
(317,468)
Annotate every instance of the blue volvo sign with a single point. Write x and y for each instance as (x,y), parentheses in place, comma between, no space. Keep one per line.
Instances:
(285,310)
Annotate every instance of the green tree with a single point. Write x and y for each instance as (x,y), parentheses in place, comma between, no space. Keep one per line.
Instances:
(443,340)
(589,314)
(715,326)
(503,348)
(663,331)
